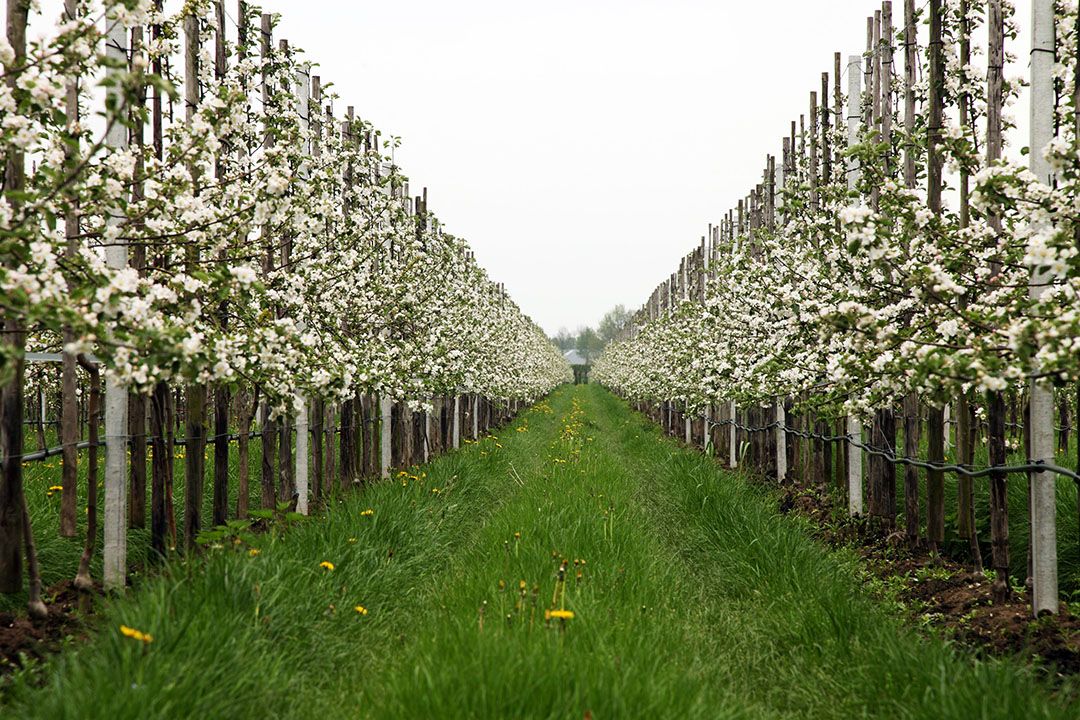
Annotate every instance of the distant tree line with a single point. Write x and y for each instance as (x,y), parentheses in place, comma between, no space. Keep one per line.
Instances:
(589,341)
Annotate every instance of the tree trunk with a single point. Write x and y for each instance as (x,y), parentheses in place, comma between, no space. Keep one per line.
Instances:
(935,479)
(194,462)
(83,580)
(11,396)
(999,501)
(317,414)
(137,472)
(161,469)
(269,429)
(911,474)
(69,439)
(221,456)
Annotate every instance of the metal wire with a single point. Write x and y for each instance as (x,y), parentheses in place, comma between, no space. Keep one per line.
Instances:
(966,471)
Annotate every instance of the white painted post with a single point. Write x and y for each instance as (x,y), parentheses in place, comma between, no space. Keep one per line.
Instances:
(689,424)
(116,397)
(457,420)
(946,423)
(384,434)
(732,456)
(781,441)
(301,455)
(855,484)
(854,116)
(854,427)
(1043,484)
(303,95)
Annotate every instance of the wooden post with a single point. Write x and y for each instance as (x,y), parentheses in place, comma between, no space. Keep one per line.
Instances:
(886,73)
(935,479)
(248,408)
(329,466)
(115,551)
(965,451)
(912,411)
(854,427)
(69,422)
(838,111)
(813,146)
(83,580)
(222,400)
(826,155)
(1043,484)
(11,395)
(194,393)
(137,400)
(268,425)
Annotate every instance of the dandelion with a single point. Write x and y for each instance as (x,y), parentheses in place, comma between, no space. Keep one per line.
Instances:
(352,541)
(559,614)
(253,552)
(134,634)
(326,565)
(367,513)
(55,488)
(517,536)
(360,609)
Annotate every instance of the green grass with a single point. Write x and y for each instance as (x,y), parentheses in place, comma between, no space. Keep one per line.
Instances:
(58,557)
(695,600)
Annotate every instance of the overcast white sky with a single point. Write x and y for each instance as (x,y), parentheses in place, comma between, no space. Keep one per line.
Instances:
(580,146)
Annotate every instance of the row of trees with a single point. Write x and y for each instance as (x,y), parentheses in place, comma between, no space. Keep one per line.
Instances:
(845,287)
(185,205)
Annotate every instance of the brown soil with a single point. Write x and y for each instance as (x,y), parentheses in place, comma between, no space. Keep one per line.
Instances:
(942,594)
(22,639)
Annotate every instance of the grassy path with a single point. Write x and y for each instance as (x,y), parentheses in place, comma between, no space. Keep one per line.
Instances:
(691,598)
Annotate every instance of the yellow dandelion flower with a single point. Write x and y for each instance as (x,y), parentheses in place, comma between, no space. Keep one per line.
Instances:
(361,609)
(559,614)
(521,584)
(254,551)
(352,541)
(56,488)
(367,513)
(326,565)
(435,491)
(517,536)
(136,634)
